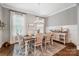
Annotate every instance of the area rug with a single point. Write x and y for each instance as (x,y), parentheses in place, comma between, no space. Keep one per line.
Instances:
(50,51)
(56,47)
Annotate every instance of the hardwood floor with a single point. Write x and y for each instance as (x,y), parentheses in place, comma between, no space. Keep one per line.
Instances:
(6,51)
(69,50)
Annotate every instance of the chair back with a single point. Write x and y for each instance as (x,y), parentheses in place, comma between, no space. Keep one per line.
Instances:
(53,36)
(39,38)
(20,40)
(48,36)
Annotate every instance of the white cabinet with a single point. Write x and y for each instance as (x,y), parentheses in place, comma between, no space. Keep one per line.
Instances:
(61,37)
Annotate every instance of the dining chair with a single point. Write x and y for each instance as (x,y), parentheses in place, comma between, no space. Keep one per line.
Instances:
(38,42)
(53,37)
(47,39)
(26,48)
(21,44)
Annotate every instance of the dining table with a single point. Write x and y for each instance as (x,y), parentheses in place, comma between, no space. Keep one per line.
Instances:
(33,37)
(28,40)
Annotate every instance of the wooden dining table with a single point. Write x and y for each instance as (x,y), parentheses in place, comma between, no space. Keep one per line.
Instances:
(33,37)
(29,40)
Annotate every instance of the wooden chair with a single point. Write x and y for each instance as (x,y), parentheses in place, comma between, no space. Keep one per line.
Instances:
(53,37)
(47,38)
(38,42)
(21,44)
(26,48)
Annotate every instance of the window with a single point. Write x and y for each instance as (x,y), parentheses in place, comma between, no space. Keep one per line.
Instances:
(39,24)
(18,23)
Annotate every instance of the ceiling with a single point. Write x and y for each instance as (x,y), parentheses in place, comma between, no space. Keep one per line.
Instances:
(39,9)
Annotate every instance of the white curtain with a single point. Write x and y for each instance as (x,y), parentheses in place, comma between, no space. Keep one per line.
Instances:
(17,25)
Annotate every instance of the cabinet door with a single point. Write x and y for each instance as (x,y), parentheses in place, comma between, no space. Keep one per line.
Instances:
(57,36)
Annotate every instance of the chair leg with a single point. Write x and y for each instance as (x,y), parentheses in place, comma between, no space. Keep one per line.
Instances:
(45,46)
(51,42)
(26,50)
(41,49)
(34,50)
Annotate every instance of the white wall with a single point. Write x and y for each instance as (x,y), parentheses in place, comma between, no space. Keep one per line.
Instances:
(78,26)
(0,30)
(4,34)
(68,19)
(6,20)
